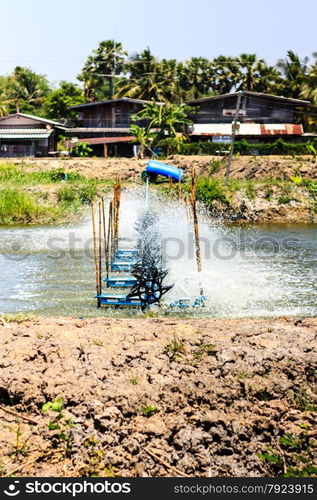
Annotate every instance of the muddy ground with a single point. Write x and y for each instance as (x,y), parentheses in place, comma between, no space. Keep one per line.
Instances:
(243,167)
(158,397)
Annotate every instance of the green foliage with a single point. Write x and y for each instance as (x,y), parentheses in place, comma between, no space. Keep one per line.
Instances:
(20,175)
(312,189)
(25,91)
(215,165)
(174,349)
(243,147)
(56,105)
(134,380)
(283,200)
(77,194)
(303,402)
(208,190)
(101,70)
(16,206)
(296,456)
(60,422)
(204,350)
(82,149)
(148,410)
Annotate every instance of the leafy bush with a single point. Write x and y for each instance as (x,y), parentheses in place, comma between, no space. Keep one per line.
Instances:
(208,190)
(82,150)
(243,147)
(72,194)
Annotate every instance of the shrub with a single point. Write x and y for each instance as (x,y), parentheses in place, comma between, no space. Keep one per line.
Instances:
(82,150)
(208,190)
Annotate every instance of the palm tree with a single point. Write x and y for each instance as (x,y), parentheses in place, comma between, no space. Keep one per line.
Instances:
(27,90)
(195,77)
(143,78)
(104,65)
(225,74)
(294,72)
(166,120)
(309,92)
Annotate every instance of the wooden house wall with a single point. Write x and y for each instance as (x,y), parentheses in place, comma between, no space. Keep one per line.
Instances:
(254,109)
(113,115)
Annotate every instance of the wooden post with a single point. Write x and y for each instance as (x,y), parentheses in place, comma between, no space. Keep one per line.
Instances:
(105,150)
(95,249)
(100,247)
(108,245)
(234,131)
(179,193)
(170,186)
(116,196)
(195,222)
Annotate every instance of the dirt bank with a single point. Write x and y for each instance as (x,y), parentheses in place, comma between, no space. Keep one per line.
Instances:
(264,189)
(158,397)
(243,167)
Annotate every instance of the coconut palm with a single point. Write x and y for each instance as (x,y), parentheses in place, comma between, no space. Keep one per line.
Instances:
(294,72)
(26,90)
(143,78)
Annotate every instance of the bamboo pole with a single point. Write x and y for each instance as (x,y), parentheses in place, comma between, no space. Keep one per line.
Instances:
(170,186)
(108,245)
(196,224)
(179,193)
(100,246)
(95,248)
(116,197)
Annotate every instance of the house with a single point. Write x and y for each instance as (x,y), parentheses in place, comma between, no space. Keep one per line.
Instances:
(106,126)
(28,135)
(261,117)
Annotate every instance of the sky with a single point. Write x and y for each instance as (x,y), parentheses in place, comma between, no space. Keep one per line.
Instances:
(55,37)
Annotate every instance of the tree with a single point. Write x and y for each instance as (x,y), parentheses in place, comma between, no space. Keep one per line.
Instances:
(101,69)
(255,75)
(168,120)
(225,74)
(309,92)
(58,102)
(195,77)
(143,70)
(26,91)
(294,72)
(143,137)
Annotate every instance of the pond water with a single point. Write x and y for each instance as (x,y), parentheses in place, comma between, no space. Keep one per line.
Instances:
(248,271)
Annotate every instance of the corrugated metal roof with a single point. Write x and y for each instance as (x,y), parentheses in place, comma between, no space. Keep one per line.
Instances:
(248,129)
(111,101)
(93,130)
(251,94)
(102,140)
(24,133)
(33,117)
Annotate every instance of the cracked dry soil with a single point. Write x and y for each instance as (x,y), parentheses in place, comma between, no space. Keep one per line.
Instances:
(158,397)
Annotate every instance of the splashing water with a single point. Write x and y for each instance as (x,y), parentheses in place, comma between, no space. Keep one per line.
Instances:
(246,271)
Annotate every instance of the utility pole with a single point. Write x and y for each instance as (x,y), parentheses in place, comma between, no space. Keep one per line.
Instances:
(233,135)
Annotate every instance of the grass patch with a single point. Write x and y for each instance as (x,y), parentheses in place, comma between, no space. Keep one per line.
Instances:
(19,207)
(16,317)
(21,176)
(20,204)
